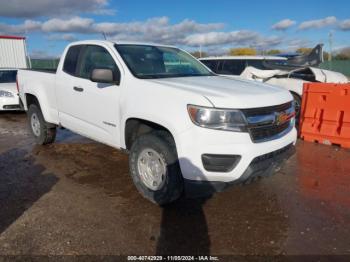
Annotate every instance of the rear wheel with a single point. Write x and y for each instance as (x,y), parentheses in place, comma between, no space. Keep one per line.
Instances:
(43,132)
(155,169)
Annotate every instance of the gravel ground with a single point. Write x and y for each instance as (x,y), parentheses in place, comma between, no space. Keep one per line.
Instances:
(76,197)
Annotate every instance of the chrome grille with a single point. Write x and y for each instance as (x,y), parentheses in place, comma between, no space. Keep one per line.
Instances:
(268,123)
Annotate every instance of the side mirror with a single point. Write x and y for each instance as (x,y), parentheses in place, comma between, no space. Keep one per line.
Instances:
(103,76)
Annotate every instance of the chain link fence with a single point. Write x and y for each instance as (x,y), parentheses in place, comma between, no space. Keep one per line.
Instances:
(341,66)
(44,64)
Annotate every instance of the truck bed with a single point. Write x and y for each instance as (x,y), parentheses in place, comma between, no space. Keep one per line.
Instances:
(39,83)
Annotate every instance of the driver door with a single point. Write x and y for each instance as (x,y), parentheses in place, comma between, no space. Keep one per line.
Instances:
(87,107)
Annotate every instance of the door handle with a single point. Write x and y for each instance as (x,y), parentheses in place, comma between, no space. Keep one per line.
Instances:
(78,89)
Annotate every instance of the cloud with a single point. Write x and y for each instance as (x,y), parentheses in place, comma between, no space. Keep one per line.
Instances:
(27,26)
(267,42)
(46,8)
(283,24)
(236,38)
(320,23)
(159,30)
(220,38)
(75,24)
(294,44)
(345,25)
(54,25)
(62,37)
(155,30)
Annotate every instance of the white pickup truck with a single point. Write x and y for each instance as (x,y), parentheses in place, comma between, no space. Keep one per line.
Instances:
(187,130)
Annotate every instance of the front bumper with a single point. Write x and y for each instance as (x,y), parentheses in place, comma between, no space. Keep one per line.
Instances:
(261,166)
(10,103)
(196,141)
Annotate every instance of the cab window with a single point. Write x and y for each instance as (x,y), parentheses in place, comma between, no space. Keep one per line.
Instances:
(257,64)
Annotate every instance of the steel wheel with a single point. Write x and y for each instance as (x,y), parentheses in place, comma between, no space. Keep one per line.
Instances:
(152,169)
(35,124)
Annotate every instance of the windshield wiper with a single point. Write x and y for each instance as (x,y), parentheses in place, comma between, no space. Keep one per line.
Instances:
(171,75)
(149,76)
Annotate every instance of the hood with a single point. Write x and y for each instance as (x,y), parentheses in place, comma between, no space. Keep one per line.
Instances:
(227,92)
(326,76)
(9,87)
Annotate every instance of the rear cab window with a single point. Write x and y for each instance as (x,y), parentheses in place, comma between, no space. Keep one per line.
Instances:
(259,64)
(212,64)
(231,67)
(71,59)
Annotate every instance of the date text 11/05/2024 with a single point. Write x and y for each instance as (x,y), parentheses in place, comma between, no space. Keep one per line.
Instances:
(173,258)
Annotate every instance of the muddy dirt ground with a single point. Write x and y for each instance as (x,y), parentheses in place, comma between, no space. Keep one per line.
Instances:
(76,197)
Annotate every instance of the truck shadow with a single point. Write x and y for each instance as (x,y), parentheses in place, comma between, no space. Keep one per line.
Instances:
(184,228)
(22,183)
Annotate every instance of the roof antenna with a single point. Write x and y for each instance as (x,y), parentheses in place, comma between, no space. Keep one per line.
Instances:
(104,35)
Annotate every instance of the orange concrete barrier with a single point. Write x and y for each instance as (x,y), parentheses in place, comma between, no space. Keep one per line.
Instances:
(325,114)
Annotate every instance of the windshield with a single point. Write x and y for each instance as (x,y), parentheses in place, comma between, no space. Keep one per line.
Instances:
(8,76)
(146,61)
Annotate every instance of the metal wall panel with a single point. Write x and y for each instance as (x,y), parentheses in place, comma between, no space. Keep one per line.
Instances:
(13,53)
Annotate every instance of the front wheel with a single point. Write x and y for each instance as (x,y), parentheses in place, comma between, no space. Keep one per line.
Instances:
(154,168)
(43,132)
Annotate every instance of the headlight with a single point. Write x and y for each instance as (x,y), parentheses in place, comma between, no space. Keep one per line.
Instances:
(5,94)
(221,119)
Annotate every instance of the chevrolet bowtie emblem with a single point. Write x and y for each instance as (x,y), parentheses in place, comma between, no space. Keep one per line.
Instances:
(281,117)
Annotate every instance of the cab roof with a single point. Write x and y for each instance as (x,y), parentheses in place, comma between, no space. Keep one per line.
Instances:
(246,57)
(118,43)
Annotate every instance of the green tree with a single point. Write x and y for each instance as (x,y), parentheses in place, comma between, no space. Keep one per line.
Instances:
(273,52)
(325,56)
(304,50)
(198,54)
(243,51)
(307,50)
(344,54)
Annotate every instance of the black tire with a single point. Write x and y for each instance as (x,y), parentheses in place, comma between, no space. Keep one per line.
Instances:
(47,133)
(164,145)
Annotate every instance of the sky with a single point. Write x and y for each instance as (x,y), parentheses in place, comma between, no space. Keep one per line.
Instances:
(212,26)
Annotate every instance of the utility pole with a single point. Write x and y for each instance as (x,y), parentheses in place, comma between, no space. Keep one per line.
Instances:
(330,49)
(200,51)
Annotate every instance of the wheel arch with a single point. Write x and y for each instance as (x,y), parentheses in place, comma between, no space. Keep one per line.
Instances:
(295,93)
(33,99)
(134,127)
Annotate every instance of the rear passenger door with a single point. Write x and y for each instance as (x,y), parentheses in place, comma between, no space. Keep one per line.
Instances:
(86,107)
